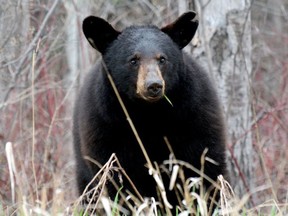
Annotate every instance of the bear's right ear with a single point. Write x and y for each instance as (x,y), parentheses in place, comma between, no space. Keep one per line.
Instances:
(183,29)
(99,33)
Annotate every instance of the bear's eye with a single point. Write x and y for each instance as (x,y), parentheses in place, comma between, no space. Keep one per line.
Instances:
(162,60)
(134,61)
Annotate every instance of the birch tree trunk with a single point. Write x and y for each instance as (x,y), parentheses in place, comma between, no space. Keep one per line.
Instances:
(77,50)
(225,50)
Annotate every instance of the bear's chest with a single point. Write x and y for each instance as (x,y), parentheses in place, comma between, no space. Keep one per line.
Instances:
(154,122)
(152,126)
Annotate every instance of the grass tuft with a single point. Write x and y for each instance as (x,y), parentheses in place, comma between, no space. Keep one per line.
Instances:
(169,101)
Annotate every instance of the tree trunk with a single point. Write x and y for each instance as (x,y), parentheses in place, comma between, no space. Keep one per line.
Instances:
(225,50)
(77,49)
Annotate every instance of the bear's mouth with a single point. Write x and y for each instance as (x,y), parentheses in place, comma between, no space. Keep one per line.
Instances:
(151,97)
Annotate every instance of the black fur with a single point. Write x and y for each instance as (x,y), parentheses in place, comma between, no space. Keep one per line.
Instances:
(193,123)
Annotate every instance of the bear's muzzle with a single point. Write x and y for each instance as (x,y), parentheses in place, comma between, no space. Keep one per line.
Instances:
(150,83)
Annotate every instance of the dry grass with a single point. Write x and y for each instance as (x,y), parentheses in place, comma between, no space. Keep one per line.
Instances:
(191,202)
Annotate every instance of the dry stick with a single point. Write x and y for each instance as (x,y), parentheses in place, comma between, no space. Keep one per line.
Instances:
(116,160)
(169,146)
(150,166)
(197,171)
(33,113)
(129,180)
(87,191)
(213,199)
(175,173)
(11,168)
(107,166)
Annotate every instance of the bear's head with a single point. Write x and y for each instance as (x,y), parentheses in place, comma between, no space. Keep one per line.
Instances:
(144,61)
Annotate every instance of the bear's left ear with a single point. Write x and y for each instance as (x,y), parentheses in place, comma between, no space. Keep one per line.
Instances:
(183,29)
(99,33)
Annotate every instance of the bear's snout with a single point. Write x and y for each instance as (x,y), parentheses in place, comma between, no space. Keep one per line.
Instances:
(150,83)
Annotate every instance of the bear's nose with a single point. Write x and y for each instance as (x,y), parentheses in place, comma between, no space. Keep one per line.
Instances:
(154,89)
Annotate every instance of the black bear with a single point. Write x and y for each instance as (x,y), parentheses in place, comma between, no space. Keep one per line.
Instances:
(166,94)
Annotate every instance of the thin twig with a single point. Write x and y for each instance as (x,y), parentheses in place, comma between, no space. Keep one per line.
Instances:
(31,47)
(33,114)
(11,168)
(150,166)
(152,170)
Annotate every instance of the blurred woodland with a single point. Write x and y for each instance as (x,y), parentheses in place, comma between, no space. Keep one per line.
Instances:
(44,56)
